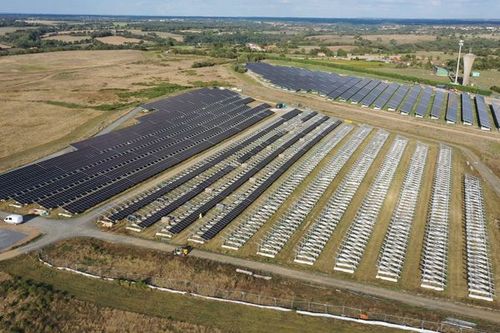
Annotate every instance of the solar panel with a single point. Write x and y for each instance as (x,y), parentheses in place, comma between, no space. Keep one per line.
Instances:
(181,127)
(495,108)
(397,98)
(346,85)
(437,106)
(236,211)
(364,91)
(467,109)
(452,108)
(382,100)
(410,100)
(423,104)
(482,113)
(189,219)
(374,94)
(346,95)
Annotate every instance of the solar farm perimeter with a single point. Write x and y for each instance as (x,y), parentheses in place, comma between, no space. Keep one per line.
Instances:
(228,174)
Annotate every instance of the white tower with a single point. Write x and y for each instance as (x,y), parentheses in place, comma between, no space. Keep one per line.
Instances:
(460,44)
(468,61)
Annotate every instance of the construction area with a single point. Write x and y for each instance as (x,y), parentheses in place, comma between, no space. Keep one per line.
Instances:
(292,186)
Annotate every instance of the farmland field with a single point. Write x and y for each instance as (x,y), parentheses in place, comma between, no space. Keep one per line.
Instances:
(88,89)
(66,38)
(118,40)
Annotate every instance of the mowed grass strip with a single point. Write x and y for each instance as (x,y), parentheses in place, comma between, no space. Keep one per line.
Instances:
(229,318)
(326,260)
(367,268)
(411,273)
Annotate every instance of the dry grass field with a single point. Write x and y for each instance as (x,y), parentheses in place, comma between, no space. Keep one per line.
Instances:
(162,34)
(66,38)
(29,306)
(110,259)
(118,40)
(102,306)
(49,100)
(5,30)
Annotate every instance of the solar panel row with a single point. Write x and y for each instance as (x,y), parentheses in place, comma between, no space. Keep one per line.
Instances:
(411,100)
(372,92)
(452,108)
(423,104)
(193,216)
(238,209)
(103,166)
(162,189)
(437,106)
(467,110)
(496,114)
(482,113)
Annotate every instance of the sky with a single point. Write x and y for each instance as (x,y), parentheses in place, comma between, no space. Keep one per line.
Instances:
(428,9)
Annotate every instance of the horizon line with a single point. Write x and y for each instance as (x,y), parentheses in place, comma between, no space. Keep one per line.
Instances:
(257,17)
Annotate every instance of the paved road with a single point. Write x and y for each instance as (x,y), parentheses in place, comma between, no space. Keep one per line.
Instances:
(84,226)
(9,238)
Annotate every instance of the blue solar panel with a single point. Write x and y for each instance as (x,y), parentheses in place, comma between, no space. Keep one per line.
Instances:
(482,113)
(437,106)
(364,91)
(382,100)
(397,98)
(423,104)
(374,94)
(181,127)
(495,108)
(346,95)
(467,110)
(452,108)
(347,84)
(410,100)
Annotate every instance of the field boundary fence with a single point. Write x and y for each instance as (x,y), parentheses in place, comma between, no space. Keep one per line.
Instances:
(252,298)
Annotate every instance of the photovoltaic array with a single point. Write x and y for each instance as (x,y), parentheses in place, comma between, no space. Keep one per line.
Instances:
(103,166)
(421,101)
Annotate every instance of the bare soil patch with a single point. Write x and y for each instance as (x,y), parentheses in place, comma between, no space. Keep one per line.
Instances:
(118,40)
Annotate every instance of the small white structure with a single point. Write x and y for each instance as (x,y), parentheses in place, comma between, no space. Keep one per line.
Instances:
(13,219)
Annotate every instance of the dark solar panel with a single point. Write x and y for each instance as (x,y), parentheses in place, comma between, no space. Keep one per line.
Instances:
(437,105)
(397,98)
(423,104)
(188,220)
(181,127)
(382,100)
(374,94)
(482,113)
(495,111)
(452,108)
(236,211)
(364,91)
(467,109)
(410,100)
(346,95)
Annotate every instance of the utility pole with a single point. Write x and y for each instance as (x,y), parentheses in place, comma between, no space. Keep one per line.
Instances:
(460,44)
